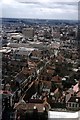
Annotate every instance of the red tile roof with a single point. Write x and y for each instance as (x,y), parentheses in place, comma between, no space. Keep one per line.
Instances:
(76,88)
(78,94)
(57,79)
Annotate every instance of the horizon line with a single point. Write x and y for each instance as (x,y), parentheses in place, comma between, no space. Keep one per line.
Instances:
(39,18)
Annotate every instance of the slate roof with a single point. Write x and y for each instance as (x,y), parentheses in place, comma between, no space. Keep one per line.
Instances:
(74,99)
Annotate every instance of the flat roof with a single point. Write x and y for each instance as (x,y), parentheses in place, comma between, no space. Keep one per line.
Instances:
(57,114)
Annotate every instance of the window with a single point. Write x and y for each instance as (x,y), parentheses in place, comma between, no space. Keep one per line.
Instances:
(76,105)
(69,104)
(73,105)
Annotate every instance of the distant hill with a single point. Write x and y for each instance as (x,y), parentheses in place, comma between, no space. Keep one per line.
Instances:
(38,21)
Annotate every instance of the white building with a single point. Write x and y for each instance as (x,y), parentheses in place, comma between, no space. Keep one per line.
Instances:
(55,115)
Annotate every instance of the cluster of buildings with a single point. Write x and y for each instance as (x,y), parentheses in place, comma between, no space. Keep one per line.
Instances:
(40,71)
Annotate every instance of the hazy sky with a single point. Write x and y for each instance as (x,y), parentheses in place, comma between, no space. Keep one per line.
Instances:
(50,9)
